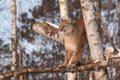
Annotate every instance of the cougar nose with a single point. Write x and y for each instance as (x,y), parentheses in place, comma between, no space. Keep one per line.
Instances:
(61,28)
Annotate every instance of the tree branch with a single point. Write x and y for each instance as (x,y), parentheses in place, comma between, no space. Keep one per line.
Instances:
(55,70)
(47,30)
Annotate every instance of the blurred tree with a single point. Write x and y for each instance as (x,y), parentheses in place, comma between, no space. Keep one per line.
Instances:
(13,38)
(118,15)
(4,47)
(4,55)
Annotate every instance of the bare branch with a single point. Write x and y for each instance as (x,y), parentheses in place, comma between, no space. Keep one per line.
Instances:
(55,70)
(47,30)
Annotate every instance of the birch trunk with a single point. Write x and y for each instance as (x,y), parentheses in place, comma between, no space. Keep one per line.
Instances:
(118,15)
(63,9)
(64,16)
(94,41)
(13,14)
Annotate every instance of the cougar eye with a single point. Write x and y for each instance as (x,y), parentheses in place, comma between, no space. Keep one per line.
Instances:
(63,30)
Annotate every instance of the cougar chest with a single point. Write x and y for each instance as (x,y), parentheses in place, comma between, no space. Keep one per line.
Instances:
(70,42)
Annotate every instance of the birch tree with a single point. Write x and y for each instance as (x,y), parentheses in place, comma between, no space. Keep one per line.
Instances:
(13,14)
(118,15)
(94,41)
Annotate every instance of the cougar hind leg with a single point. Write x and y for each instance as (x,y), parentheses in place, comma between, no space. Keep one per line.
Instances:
(74,59)
(67,58)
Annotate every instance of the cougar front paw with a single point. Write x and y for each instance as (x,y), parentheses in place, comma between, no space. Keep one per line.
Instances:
(71,65)
(62,66)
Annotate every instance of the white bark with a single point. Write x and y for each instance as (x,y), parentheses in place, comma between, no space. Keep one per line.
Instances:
(91,29)
(13,14)
(63,9)
(95,45)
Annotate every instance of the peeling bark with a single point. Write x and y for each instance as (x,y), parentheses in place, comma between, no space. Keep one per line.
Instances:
(94,41)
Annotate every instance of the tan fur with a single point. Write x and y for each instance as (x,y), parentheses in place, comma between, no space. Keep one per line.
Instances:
(74,42)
